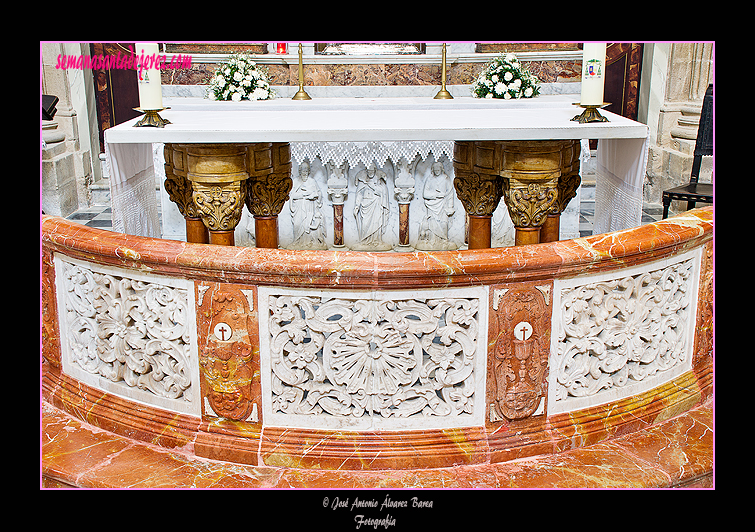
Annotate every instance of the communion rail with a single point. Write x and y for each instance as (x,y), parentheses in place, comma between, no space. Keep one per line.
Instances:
(364,361)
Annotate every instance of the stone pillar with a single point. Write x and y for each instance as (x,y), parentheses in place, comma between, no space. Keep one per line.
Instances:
(568,184)
(477,167)
(67,159)
(531,171)
(338,190)
(58,177)
(269,167)
(217,173)
(179,190)
(404,192)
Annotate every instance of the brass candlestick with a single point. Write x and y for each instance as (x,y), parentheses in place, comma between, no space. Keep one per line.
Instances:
(301,94)
(443,94)
(590,113)
(151,118)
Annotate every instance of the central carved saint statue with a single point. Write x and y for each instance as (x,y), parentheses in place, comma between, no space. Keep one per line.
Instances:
(371,209)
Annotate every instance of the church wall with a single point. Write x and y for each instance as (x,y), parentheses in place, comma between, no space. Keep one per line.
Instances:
(674,79)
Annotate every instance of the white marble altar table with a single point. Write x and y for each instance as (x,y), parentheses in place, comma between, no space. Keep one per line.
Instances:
(622,150)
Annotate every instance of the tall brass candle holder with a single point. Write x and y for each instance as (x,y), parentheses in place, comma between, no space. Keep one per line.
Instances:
(590,113)
(301,94)
(151,118)
(443,94)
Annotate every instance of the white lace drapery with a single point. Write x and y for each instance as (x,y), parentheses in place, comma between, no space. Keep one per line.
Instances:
(620,177)
(133,196)
(366,153)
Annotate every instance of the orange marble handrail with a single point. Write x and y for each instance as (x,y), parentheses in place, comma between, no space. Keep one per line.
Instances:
(354,269)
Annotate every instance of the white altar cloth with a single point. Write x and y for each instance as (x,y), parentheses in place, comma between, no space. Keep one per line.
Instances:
(622,154)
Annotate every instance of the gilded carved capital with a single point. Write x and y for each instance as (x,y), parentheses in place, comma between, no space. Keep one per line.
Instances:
(529,202)
(531,173)
(567,190)
(219,205)
(479,193)
(266,195)
(269,167)
(477,165)
(569,181)
(176,185)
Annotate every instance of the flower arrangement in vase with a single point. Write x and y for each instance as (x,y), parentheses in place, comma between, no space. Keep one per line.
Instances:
(504,77)
(240,78)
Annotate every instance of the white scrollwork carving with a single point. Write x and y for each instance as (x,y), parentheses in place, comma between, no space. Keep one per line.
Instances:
(364,357)
(128,331)
(617,332)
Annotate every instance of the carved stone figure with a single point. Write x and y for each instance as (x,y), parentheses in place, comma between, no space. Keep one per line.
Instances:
(371,209)
(305,203)
(438,193)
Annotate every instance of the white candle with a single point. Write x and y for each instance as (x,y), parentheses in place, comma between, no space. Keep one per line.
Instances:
(148,75)
(593,72)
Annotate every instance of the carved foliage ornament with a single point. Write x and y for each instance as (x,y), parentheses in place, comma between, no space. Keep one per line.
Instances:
(220,205)
(128,331)
(619,331)
(365,357)
(529,203)
(176,185)
(479,193)
(266,195)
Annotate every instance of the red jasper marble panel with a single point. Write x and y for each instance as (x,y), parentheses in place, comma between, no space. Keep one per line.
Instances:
(704,325)
(228,352)
(50,330)
(519,332)
(372,450)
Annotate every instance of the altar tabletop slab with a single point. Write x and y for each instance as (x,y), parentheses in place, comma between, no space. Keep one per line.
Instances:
(374,119)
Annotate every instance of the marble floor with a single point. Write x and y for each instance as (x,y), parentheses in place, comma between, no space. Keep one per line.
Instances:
(100,215)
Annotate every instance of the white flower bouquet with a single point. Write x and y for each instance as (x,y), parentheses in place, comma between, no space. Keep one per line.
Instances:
(505,78)
(240,78)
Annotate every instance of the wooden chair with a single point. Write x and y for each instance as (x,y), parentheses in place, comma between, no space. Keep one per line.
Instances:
(693,191)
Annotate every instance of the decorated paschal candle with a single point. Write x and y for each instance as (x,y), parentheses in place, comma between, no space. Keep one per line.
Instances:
(593,72)
(148,76)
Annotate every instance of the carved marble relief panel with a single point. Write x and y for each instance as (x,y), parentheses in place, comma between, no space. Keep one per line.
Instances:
(359,206)
(129,334)
(228,354)
(520,319)
(362,360)
(618,335)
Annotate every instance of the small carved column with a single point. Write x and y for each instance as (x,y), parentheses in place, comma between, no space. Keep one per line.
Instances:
(568,184)
(477,167)
(269,167)
(531,170)
(338,190)
(217,173)
(179,190)
(404,191)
